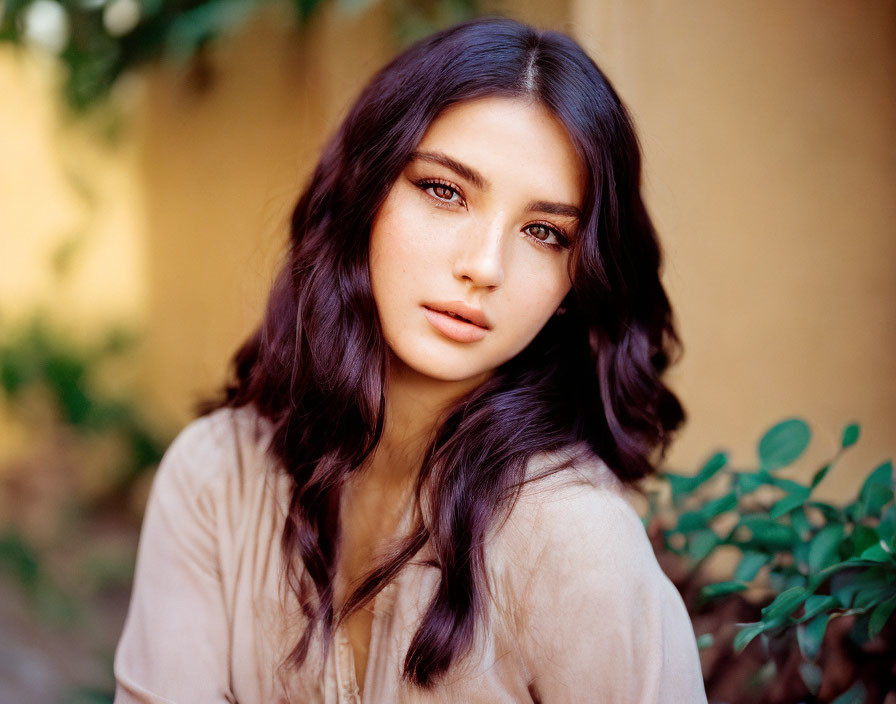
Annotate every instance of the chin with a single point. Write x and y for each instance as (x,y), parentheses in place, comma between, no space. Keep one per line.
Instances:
(450,373)
(442,369)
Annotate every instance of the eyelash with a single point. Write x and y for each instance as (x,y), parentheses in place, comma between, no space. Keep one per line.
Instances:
(562,239)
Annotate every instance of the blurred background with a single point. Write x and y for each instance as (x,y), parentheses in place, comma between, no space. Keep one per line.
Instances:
(151,151)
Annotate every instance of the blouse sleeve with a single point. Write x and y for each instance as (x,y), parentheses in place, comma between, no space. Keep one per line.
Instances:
(175,644)
(599,619)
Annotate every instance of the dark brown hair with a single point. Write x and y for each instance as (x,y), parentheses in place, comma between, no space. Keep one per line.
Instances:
(316,365)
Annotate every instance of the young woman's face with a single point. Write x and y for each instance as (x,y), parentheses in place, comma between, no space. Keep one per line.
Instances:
(482,216)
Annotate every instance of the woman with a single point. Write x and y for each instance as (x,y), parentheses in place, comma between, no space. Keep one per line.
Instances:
(413,491)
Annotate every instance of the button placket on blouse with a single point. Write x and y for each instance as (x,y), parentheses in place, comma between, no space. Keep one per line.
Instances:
(346,675)
(347,683)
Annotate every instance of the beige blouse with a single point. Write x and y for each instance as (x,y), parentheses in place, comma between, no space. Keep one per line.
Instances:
(580,612)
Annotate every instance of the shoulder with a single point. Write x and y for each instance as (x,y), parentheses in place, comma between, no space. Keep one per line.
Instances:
(577,518)
(586,598)
(176,642)
(214,453)
(576,532)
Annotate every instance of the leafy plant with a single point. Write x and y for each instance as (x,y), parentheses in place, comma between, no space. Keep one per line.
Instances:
(98,41)
(819,561)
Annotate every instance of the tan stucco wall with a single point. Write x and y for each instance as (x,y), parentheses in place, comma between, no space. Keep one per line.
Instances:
(63,187)
(770,169)
(771,172)
(222,169)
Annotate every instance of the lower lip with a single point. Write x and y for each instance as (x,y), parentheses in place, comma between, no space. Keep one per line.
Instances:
(455,329)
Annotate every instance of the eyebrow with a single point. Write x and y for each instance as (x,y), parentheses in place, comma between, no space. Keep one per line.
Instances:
(483,184)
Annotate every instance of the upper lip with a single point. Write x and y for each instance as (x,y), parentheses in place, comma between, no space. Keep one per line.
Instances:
(474,315)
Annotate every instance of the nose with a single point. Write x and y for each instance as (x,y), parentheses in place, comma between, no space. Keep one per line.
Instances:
(478,257)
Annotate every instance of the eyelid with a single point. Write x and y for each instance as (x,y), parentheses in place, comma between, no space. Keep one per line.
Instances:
(564,241)
(425,183)
(562,237)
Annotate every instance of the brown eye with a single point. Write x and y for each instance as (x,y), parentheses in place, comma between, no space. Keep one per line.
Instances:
(443,192)
(541,232)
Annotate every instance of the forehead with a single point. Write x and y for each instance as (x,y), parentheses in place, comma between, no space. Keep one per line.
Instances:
(512,142)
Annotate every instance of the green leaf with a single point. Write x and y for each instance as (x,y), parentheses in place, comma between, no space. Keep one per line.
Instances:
(713,591)
(852,513)
(800,523)
(788,485)
(875,499)
(880,616)
(810,635)
(769,534)
(747,482)
(850,435)
(680,485)
(801,555)
(854,695)
(819,475)
(818,603)
(823,550)
(748,633)
(789,503)
(711,467)
(720,505)
(816,580)
(877,553)
(683,485)
(874,593)
(785,603)
(877,491)
(701,543)
(783,443)
(750,564)
(705,640)
(886,529)
(691,521)
(859,583)
(862,538)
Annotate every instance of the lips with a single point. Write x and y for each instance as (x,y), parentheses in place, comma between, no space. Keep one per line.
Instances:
(454,328)
(461,311)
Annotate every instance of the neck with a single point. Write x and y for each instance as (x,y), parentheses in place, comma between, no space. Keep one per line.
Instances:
(415,404)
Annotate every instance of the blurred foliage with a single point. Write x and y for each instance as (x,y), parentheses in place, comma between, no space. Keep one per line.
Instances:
(77,459)
(813,561)
(89,695)
(412,19)
(35,357)
(22,563)
(98,41)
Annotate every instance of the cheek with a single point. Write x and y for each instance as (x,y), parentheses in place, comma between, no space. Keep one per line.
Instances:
(403,245)
(399,257)
(543,287)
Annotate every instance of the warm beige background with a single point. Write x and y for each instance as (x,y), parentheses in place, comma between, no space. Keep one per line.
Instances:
(768,130)
(771,168)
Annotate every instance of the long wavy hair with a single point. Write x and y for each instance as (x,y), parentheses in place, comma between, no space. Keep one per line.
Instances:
(316,365)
